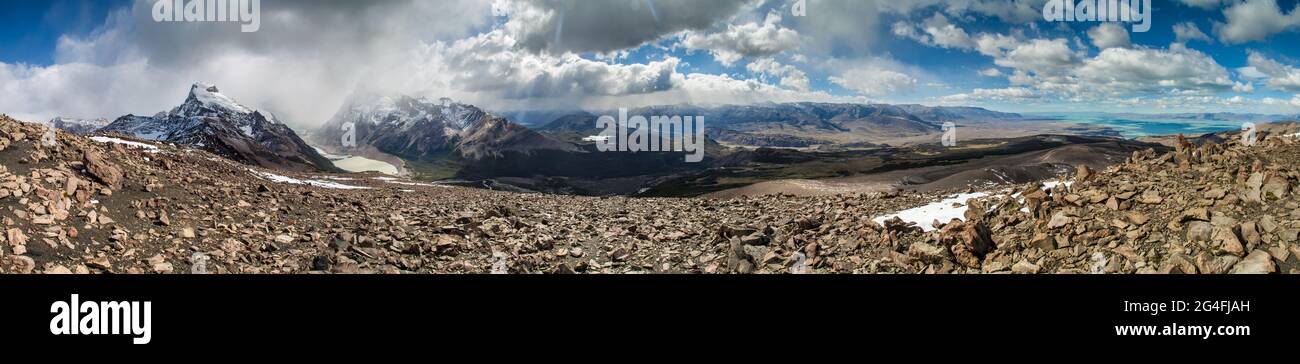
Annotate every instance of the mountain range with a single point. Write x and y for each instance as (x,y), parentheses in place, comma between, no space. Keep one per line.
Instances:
(440,139)
(426,129)
(212,121)
(78,126)
(797,124)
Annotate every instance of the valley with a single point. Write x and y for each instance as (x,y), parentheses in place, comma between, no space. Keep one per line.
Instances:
(794,148)
(443,187)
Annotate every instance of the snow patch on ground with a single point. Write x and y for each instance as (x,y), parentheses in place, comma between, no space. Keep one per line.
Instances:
(944,211)
(405,183)
(1054,184)
(317,183)
(146,147)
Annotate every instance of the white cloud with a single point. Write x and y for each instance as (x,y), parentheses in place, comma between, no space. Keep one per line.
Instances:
(700,88)
(790,76)
(1250,73)
(999,94)
(1255,20)
(85,90)
(1188,31)
(1205,4)
(750,40)
(994,45)
(1109,35)
(1040,56)
(935,31)
(1121,70)
(1277,76)
(875,81)
(991,72)
(492,63)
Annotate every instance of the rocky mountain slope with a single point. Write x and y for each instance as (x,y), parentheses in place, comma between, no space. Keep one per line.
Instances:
(116,206)
(1210,208)
(214,122)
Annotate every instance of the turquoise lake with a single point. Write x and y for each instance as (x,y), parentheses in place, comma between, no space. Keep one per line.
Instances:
(1133,126)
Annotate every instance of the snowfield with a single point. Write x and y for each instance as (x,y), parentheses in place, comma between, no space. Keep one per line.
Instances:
(944,211)
(146,147)
(317,183)
(953,208)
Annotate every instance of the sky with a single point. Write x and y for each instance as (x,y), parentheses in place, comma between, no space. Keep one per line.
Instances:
(105,59)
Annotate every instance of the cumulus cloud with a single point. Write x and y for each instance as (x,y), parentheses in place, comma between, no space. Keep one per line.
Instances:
(1277,76)
(935,31)
(999,94)
(1109,35)
(1118,70)
(1255,20)
(1042,66)
(749,40)
(492,63)
(1188,31)
(875,81)
(790,76)
(1039,56)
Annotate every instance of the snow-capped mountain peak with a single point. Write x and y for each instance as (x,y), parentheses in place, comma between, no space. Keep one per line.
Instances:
(405,112)
(206,100)
(216,122)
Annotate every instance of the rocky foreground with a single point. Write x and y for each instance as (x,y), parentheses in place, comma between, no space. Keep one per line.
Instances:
(72,204)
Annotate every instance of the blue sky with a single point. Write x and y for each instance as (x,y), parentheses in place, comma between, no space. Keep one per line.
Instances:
(29,30)
(108,58)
